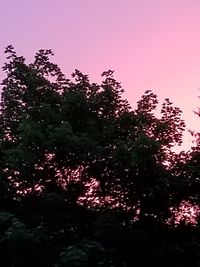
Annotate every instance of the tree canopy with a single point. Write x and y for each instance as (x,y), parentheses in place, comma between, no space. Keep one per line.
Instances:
(85,179)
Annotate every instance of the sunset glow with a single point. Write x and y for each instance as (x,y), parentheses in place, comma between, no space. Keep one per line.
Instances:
(150,44)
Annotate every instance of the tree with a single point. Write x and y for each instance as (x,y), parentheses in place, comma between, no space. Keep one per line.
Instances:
(73,154)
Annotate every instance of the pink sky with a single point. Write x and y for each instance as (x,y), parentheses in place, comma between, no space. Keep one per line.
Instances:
(151,44)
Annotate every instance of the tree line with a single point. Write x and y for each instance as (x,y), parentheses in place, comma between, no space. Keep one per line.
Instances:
(85,179)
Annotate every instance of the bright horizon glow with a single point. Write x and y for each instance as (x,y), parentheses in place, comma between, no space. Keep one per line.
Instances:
(150,44)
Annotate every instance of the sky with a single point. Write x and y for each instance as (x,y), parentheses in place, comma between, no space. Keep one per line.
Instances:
(151,44)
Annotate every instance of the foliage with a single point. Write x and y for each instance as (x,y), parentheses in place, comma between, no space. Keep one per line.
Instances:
(86,180)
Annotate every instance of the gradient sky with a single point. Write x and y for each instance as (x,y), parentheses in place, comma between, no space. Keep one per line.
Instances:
(151,44)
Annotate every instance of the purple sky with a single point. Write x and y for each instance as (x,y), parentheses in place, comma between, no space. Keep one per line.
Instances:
(151,44)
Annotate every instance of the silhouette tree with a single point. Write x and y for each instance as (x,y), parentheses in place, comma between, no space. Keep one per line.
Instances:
(86,180)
